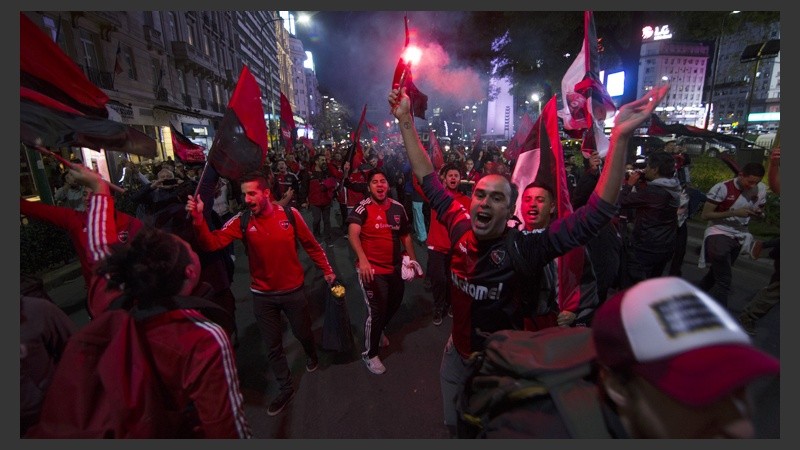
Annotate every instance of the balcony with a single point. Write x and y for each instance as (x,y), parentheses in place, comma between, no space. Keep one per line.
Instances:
(107,21)
(193,58)
(161,94)
(153,39)
(100,78)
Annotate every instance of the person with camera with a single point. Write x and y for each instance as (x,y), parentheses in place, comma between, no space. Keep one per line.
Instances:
(655,224)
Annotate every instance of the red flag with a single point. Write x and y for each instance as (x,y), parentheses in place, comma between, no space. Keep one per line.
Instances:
(240,144)
(437,158)
(403,78)
(586,102)
(309,146)
(288,128)
(60,107)
(518,141)
(356,153)
(543,161)
(186,150)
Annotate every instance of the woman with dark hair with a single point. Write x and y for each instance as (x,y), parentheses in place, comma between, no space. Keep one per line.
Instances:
(192,354)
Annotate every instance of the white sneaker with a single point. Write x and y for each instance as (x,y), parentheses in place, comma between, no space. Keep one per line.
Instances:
(374,365)
(384,341)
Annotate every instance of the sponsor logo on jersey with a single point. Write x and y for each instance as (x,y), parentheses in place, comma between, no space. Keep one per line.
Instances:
(476,291)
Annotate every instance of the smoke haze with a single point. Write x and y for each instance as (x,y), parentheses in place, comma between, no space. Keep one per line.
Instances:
(356,52)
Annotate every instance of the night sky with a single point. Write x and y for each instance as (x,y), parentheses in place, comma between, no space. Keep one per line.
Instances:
(355,54)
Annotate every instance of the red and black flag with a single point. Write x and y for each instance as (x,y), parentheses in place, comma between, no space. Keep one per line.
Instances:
(586,103)
(309,146)
(240,144)
(186,150)
(374,131)
(517,143)
(542,160)
(355,155)
(288,128)
(403,78)
(60,107)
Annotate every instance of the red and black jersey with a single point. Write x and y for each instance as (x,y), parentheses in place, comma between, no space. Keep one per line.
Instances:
(381,229)
(486,291)
(272,250)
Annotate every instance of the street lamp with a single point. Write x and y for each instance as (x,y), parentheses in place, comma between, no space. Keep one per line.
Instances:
(268,67)
(535,97)
(716,62)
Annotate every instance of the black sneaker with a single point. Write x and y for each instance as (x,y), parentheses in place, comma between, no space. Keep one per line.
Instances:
(280,402)
(311,365)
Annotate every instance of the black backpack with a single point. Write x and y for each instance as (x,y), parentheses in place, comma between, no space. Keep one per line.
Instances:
(533,385)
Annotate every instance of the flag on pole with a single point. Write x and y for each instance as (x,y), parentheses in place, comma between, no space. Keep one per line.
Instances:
(355,155)
(186,150)
(60,107)
(309,146)
(240,144)
(288,128)
(543,161)
(373,130)
(586,103)
(517,143)
(403,78)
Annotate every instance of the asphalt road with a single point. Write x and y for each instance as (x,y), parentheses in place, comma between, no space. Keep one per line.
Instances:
(342,399)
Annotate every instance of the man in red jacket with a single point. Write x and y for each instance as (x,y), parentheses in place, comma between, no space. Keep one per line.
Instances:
(321,187)
(439,244)
(276,274)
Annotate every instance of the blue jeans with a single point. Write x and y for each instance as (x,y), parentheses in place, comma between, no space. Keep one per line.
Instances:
(419,222)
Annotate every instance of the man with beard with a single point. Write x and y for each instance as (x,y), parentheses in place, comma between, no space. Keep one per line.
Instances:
(484,295)
(376,228)
(276,274)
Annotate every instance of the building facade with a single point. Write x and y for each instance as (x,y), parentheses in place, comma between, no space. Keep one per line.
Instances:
(162,68)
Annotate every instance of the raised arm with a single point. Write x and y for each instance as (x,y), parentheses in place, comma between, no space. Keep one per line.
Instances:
(401,108)
(774,175)
(630,117)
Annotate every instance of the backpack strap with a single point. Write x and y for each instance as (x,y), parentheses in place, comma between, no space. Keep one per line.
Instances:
(244,219)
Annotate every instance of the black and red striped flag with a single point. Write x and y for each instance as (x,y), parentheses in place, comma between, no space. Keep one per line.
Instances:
(542,160)
(403,78)
(186,150)
(240,144)
(60,107)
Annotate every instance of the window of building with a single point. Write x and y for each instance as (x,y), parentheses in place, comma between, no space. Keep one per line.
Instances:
(127,56)
(181,82)
(172,26)
(190,36)
(89,50)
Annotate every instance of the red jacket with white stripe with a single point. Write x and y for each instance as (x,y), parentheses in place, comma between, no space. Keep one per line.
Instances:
(193,355)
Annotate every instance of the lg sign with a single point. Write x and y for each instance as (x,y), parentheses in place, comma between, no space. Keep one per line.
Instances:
(656,33)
